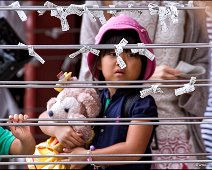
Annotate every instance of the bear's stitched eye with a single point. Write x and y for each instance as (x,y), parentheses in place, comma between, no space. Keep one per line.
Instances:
(66,110)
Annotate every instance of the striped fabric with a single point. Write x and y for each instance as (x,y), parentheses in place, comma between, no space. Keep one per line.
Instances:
(206,129)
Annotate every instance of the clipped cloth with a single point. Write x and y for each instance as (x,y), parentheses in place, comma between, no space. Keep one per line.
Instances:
(51,147)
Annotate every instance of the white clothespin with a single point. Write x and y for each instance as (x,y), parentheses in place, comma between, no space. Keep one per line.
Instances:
(48,5)
(189,87)
(152,90)
(136,13)
(144,52)
(59,13)
(119,48)
(84,50)
(100,15)
(162,12)
(20,13)
(118,51)
(121,62)
(76,9)
(153,9)
(170,10)
(94,51)
(112,12)
(174,14)
(32,52)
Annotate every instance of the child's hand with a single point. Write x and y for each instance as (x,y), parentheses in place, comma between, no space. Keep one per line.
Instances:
(20,132)
(74,151)
(68,137)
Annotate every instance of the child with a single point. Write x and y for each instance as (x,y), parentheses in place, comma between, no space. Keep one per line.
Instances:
(113,139)
(20,141)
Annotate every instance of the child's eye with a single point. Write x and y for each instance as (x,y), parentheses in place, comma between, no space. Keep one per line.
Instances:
(113,54)
(131,55)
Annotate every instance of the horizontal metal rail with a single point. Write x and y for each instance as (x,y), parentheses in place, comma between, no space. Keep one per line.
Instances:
(103,82)
(100,8)
(99,86)
(111,46)
(113,119)
(101,155)
(105,124)
(105,162)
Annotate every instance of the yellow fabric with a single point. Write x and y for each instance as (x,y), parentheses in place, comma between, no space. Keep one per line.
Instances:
(50,147)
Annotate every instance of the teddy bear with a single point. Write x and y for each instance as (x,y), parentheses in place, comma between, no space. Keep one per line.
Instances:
(74,103)
(70,103)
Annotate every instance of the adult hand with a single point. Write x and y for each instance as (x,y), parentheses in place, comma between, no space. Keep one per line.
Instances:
(165,72)
(68,137)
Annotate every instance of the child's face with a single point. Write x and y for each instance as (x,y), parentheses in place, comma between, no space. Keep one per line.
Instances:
(111,70)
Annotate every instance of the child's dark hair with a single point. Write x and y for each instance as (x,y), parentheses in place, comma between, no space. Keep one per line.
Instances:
(114,37)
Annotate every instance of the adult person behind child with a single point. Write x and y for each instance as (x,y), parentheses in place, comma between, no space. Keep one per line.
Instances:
(191,28)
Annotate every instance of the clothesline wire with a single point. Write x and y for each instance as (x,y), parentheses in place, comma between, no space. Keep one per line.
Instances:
(101,155)
(101,82)
(105,162)
(97,86)
(112,119)
(111,46)
(105,124)
(100,8)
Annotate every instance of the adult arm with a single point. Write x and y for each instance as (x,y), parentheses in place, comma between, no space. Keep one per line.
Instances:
(196,32)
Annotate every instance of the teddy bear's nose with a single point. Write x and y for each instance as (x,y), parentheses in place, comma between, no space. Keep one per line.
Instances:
(50,113)
(66,110)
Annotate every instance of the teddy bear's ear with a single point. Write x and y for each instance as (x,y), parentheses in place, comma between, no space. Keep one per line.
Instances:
(92,105)
(51,102)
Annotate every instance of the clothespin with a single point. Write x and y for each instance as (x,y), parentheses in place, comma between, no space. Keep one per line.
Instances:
(152,90)
(164,11)
(100,15)
(144,52)
(48,5)
(20,13)
(76,9)
(189,87)
(112,12)
(59,13)
(84,50)
(118,51)
(136,13)
(33,53)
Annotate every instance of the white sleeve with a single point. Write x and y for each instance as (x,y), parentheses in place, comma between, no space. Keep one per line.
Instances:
(89,30)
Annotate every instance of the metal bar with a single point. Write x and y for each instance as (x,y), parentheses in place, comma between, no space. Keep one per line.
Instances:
(101,155)
(105,162)
(103,82)
(105,124)
(112,119)
(98,86)
(111,46)
(101,8)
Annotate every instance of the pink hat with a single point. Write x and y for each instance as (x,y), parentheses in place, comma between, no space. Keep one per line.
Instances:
(123,22)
